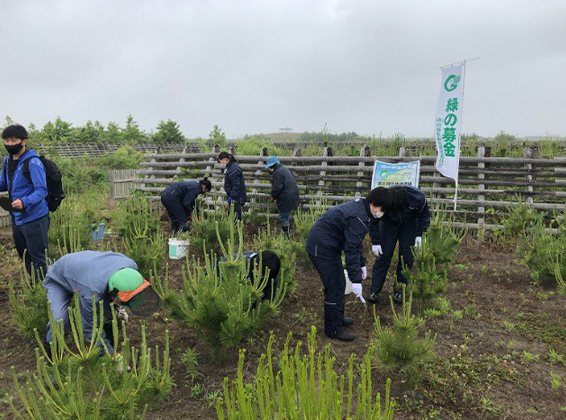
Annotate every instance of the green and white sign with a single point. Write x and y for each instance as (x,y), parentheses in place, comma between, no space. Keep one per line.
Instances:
(387,174)
(448,121)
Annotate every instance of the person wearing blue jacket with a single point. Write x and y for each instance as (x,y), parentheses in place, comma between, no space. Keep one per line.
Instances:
(179,200)
(342,229)
(405,224)
(108,276)
(30,215)
(234,183)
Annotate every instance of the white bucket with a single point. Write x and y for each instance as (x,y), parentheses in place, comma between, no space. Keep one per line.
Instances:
(178,248)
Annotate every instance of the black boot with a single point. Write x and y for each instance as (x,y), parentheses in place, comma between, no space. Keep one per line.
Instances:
(347,322)
(344,336)
(286,231)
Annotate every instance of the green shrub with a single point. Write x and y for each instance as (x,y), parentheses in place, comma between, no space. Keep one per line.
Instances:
(126,157)
(28,305)
(136,215)
(203,231)
(303,387)
(79,382)
(218,299)
(399,346)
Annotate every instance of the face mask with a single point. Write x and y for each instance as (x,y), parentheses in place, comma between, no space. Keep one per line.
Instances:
(377,214)
(14,149)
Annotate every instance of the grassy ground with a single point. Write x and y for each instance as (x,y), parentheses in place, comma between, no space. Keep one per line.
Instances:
(500,351)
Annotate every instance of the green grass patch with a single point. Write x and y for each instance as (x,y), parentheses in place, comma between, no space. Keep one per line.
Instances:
(540,327)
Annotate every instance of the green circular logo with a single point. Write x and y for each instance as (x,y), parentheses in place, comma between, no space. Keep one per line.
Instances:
(451,82)
(384,174)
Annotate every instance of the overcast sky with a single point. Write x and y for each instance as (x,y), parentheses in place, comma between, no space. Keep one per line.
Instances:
(254,66)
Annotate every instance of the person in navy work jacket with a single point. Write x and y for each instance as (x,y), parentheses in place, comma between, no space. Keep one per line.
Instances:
(234,183)
(30,215)
(342,229)
(179,200)
(405,223)
(284,191)
(108,276)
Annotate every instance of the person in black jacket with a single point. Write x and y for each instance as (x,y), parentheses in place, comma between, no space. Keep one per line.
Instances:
(234,183)
(179,201)
(284,191)
(342,229)
(408,219)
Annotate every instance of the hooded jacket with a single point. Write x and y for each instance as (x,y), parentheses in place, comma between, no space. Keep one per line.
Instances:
(32,193)
(284,189)
(342,228)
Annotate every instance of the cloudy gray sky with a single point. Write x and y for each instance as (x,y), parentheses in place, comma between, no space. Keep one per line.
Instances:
(254,66)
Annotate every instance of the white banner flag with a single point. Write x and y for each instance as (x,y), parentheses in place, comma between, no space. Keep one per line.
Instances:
(449,120)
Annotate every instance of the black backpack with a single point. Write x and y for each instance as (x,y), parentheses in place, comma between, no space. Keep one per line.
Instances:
(55,193)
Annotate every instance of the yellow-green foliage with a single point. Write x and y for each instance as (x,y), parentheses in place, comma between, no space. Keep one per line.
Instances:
(28,304)
(85,381)
(398,346)
(304,386)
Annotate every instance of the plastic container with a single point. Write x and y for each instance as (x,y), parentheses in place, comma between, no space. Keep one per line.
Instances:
(178,248)
(348,288)
(98,234)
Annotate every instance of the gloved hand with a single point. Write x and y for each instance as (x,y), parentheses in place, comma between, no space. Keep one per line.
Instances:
(229,200)
(364,272)
(377,251)
(357,291)
(122,314)
(418,241)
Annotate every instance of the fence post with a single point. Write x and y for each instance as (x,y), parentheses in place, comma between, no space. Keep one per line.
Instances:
(210,174)
(182,159)
(529,153)
(364,151)
(327,151)
(481,187)
(257,174)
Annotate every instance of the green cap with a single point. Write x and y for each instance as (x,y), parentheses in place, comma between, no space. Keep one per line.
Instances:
(125,280)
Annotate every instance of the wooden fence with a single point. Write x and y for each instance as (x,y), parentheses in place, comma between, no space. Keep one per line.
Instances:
(487,185)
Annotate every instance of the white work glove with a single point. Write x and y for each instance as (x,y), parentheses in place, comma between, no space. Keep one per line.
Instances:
(357,291)
(364,272)
(377,251)
(418,241)
(122,314)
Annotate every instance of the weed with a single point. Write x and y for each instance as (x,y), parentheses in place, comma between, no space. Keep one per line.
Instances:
(555,380)
(213,398)
(555,358)
(190,360)
(196,390)
(541,327)
(529,357)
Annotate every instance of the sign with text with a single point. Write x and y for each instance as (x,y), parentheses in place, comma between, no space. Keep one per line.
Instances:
(448,121)
(387,174)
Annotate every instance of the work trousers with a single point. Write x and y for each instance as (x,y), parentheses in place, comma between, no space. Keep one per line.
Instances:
(176,212)
(31,243)
(331,273)
(391,233)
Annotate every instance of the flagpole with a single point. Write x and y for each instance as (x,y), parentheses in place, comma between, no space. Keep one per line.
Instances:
(463,63)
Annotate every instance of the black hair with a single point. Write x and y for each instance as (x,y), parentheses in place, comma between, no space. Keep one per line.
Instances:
(398,196)
(16,131)
(269,259)
(380,197)
(224,155)
(206,183)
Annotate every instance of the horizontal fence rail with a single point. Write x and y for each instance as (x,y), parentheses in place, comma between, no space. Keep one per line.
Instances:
(488,186)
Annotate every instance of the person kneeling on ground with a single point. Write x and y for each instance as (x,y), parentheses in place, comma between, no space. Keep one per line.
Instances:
(179,200)
(269,261)
(109,277)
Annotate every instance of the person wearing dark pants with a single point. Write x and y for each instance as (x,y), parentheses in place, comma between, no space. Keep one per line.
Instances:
(342,229)
(179,200)
(234,183)
(405,224)
(284,192)
(27,193)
